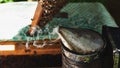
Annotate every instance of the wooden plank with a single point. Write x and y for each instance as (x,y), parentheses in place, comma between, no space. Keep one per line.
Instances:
(37,16)
(21,50)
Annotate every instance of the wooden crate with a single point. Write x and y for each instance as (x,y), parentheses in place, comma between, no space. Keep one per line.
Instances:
(21,50)
(47,57)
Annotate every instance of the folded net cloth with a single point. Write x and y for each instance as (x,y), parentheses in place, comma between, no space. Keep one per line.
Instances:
(80,15)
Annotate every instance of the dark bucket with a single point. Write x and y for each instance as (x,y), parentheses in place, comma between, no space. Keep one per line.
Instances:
(73,59)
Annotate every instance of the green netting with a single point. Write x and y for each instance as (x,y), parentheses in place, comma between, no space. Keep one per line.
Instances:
(81,15)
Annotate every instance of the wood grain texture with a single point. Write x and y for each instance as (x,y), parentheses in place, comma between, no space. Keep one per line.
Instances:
(20,49)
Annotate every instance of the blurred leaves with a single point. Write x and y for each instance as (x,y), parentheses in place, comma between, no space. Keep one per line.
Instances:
(5,1)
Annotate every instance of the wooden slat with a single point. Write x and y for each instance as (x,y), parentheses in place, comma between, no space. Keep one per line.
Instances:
(21,50)
(37,16)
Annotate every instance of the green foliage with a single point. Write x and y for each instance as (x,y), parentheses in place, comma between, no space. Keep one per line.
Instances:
(20,0)
(5,1)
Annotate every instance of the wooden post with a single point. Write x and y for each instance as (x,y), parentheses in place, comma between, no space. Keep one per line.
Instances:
(36,18)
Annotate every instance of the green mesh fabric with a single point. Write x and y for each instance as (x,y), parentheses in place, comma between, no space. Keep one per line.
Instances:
(81,15)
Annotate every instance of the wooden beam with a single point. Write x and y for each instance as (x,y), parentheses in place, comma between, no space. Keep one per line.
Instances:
(36,18)
(21,50)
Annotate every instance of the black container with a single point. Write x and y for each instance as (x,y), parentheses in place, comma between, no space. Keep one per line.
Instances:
(91,59)
(69,59)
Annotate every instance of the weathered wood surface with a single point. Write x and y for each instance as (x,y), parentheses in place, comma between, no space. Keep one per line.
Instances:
(21,50)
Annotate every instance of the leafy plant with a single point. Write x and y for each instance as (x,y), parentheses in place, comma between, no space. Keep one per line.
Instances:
(5,1)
